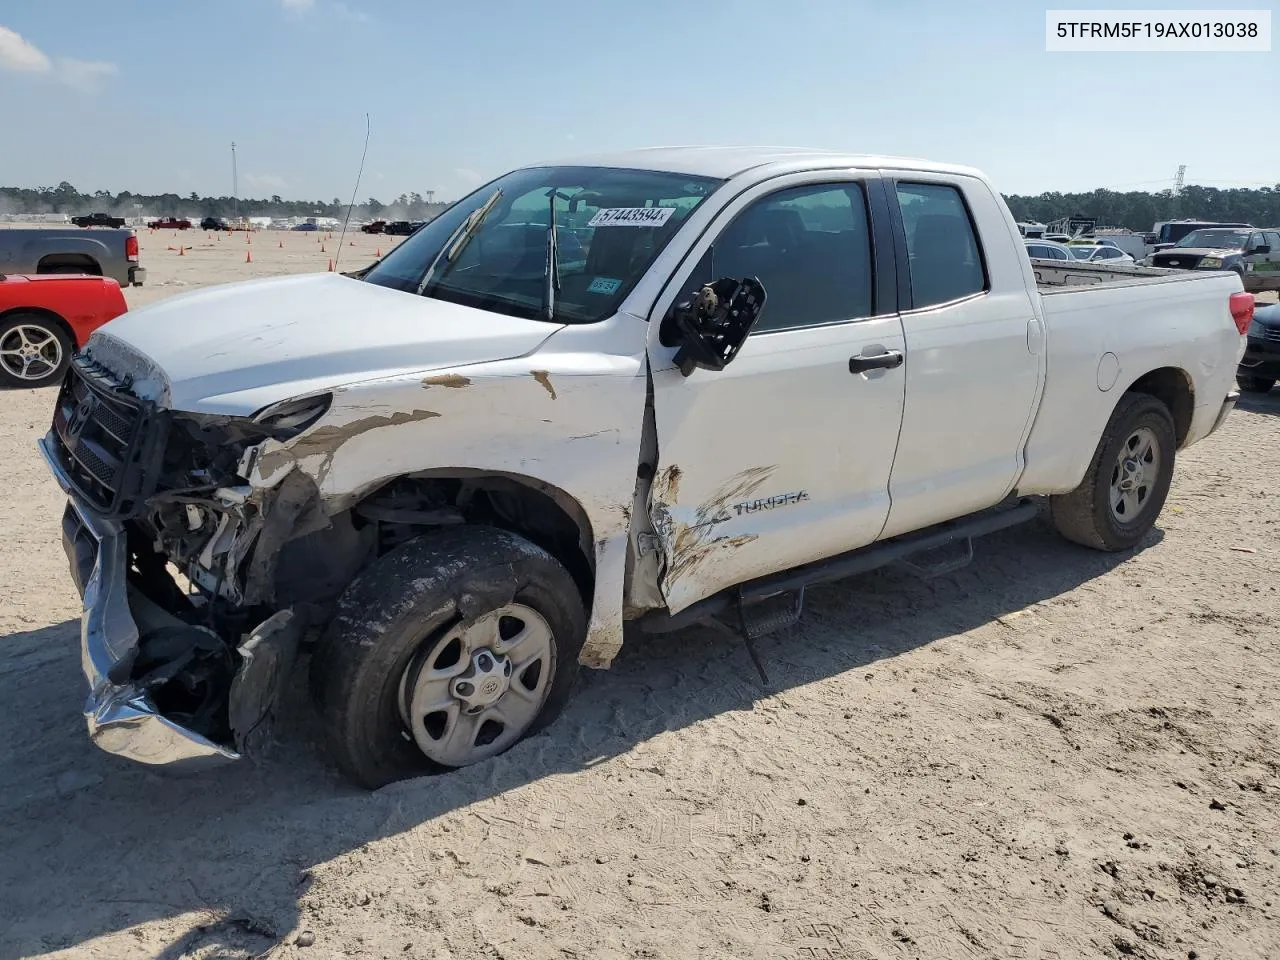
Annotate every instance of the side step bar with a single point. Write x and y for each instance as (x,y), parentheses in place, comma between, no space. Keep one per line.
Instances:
(849,564)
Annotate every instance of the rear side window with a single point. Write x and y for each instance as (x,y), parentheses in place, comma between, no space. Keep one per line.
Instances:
(811,248)
(942,245)
(1273,241)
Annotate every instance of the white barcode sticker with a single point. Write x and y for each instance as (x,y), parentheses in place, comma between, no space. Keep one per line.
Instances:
(631,217)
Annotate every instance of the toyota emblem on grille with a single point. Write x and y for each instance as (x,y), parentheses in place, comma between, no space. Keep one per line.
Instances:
(79,417)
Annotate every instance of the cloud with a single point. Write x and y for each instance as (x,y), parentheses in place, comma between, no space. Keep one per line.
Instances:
(298,6)
(18,55)
(265,181)
(349,13)
(84,75)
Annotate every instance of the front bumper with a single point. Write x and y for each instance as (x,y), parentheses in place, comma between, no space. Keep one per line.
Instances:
(121,719)
(1228,405)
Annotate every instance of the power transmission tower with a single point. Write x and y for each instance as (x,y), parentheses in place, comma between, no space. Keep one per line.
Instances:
(430,195)
(1177,191)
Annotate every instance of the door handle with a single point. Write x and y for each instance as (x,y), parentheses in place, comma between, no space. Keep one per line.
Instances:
(879,361)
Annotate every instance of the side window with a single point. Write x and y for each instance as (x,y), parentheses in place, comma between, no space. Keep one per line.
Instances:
(1059,253)
(1273,241)
(811,248)
(1040,253)
(946,262)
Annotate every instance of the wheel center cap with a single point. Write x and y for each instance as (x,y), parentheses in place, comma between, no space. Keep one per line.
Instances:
(484,682)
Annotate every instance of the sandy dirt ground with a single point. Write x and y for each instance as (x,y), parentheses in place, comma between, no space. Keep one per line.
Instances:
(1050,754)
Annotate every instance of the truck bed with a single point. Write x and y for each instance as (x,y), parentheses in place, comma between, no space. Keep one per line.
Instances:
(1052,276)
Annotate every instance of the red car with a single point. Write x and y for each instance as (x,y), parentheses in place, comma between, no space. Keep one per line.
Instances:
(170,223)
(44,319)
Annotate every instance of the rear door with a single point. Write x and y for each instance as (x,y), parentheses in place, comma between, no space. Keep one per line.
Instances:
(784,456)
(975,348)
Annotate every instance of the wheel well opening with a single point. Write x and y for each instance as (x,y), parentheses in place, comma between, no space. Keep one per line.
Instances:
(47,315)
(69,263)
(544,515)
(1172,387)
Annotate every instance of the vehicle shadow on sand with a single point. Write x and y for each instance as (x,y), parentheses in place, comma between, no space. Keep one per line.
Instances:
(94,845)
(1267,403)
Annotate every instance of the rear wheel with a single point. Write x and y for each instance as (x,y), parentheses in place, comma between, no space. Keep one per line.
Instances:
(1128,479)
(445,652)
(1252,384)
(34,351)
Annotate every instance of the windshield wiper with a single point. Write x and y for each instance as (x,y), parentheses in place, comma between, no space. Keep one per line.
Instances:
(458,239)
(553,259)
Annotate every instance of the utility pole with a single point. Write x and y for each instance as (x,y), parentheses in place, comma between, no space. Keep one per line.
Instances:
(235,184)
(1177,190)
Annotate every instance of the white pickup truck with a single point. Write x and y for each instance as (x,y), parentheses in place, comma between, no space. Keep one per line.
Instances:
(665,387)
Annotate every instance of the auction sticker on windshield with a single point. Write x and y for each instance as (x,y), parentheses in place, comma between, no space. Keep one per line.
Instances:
(631,217)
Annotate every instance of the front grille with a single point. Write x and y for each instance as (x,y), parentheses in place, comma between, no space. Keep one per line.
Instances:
(106,439)
(1271,333)
(1179,261)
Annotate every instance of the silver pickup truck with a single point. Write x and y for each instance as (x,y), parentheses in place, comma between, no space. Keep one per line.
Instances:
(100,252)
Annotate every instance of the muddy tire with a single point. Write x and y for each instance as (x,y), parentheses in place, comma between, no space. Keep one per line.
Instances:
(34,350)
(1252,384)
(446,651)
(1125,487)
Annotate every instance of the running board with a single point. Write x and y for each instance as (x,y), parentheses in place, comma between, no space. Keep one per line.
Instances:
(897,551)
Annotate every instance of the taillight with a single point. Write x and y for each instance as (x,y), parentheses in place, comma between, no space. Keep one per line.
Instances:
(131,252)
(1242,310)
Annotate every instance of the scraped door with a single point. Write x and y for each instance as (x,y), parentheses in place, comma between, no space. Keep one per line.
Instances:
(784,456)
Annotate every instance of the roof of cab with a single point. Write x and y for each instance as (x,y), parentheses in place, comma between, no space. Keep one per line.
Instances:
(725,162)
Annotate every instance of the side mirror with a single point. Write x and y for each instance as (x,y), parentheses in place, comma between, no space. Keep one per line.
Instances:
(712,325)
(1261,248)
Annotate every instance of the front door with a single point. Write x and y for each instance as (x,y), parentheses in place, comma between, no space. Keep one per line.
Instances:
(784,456)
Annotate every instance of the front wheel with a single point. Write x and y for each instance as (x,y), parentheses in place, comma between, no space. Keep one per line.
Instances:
(1252,384)
(445,652)
(34,351)
(1127,482)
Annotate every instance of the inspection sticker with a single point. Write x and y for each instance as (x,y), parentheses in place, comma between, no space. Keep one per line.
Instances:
(631,217)
(604,285)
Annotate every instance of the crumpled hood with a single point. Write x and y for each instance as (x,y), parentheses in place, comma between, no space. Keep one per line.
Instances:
(235,348)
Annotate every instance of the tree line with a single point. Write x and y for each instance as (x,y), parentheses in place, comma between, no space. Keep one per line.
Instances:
(1137,210)
(66,199)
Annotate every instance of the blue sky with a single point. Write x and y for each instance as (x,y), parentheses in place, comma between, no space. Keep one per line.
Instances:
(147,95)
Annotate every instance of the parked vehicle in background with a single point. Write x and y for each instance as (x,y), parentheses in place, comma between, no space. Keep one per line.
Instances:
(45,319)
(1099,253)
(98,220)
(213,223)
(375,226)
(468,467)
(170,223)
(306,226)
(399,228)
(1260,366)
(1169,232)
(1253,254)
(1048,250)
(1131,243)
(104,253)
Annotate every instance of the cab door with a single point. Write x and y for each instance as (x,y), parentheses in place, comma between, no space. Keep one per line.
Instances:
(784,456)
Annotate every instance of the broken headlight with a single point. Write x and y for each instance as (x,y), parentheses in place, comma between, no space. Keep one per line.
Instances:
(290,417)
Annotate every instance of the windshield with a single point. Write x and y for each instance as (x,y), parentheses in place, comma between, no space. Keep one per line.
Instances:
(610,223)
(1215,239)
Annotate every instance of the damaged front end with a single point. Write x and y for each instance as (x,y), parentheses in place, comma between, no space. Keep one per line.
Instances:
(197,586)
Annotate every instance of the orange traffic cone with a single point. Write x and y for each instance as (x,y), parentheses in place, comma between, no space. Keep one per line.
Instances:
(182,252)
(246,238)
(331,264)
(281,245)
(322,248)
(378,254)
(248,256)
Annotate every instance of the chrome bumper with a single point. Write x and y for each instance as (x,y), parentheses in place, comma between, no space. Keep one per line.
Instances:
(1228,405)
(121,718)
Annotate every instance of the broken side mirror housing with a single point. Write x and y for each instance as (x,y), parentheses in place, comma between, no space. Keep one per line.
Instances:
(711,326)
